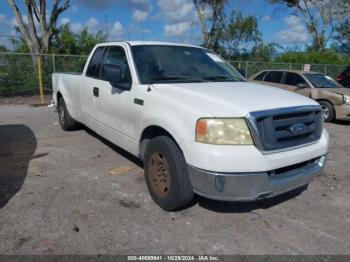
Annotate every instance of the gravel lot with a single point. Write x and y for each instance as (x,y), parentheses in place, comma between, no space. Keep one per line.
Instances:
(64,193)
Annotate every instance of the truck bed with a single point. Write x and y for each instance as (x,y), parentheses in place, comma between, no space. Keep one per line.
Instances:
(69,86)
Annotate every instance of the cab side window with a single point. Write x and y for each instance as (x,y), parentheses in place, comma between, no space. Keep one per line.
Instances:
(294,79)
(94,67)
(274,77)
(116,58)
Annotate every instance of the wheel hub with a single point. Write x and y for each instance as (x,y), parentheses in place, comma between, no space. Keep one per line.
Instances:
(158,169)
(325,112)
(62,115)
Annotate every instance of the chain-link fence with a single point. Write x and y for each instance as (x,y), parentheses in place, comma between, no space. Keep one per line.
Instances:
(19,72)
(249,68)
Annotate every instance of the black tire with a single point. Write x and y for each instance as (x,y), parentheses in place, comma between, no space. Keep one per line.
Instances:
(178,188)
(66,121)
(327,111)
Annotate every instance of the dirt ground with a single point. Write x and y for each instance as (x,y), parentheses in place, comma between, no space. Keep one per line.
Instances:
(24,100)
(74,193)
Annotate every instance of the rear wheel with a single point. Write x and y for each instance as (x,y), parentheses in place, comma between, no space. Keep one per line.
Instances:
(327,111)
(66,121)
(166,174)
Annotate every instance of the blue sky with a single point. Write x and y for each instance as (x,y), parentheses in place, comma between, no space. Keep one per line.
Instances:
(164,20)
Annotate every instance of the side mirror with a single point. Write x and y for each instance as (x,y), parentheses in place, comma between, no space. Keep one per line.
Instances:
(301,85)
(112,74)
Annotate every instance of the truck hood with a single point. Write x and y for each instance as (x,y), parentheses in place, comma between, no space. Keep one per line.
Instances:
(232,99)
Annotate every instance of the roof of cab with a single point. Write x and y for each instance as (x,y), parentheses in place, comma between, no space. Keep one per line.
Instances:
(136,43)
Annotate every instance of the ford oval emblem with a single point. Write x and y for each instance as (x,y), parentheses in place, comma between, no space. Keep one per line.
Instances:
(298,128)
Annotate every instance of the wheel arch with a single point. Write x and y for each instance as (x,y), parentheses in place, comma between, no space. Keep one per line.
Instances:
(58,96)
(325,100)
(150,132)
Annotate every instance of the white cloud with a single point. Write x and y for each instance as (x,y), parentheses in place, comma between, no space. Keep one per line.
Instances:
(74,9)
(296,32)
(140,15)
(141,9)
(179,16)
(64,20)
(2,18)
(116,31)
(144,5)
(92,25)
(14,22)
(76,27)
(178,29)
(266,18)
(177,11)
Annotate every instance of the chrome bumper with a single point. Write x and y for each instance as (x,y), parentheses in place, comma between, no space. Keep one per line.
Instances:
(254,186)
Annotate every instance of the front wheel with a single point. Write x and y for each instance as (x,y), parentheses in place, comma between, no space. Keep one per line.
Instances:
(166,174)
(327,111)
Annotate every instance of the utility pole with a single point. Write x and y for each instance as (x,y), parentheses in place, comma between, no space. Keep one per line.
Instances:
(106,24)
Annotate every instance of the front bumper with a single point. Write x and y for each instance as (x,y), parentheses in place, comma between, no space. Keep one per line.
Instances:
(254,186)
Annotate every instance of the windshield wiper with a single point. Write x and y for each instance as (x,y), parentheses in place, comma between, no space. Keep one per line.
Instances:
(175,78)
(217,77)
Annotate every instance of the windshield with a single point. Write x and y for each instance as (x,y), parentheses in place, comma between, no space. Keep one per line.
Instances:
(320,81)
(181,64)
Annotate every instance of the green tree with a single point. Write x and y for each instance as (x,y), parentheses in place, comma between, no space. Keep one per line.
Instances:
(64,41)
(40,26)
(343,36)
(328,56)
(86,41)
(19,45)
(320,17)
(211,14)
(225,33)
(264,52)
(239,33)
(3,48)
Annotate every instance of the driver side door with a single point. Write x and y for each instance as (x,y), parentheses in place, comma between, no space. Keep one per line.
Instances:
(114,103)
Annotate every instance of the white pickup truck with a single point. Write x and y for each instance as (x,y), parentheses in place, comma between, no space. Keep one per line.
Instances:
(197,124)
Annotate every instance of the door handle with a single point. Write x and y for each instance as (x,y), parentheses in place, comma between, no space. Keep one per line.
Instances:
(96,91)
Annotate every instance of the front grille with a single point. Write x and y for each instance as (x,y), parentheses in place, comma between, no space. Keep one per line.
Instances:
(286,127)
(294,168)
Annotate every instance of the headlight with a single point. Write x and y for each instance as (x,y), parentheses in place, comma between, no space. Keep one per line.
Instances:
(223,131)
(346,99)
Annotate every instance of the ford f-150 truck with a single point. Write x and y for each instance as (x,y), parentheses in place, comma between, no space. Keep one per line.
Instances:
(195,122)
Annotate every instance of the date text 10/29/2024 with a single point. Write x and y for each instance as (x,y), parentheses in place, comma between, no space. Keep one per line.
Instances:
(172,258)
